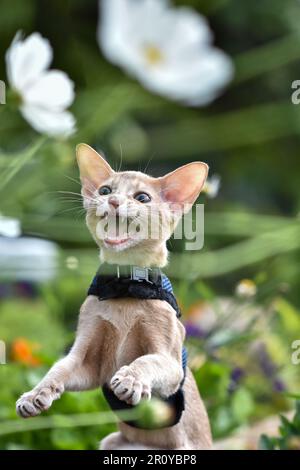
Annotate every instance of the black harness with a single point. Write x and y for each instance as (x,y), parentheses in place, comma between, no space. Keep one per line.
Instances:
(114,281)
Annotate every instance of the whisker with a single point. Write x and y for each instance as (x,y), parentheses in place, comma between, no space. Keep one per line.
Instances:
(147,164)
(121,158)
(78,210)
(80,196)
(73,179)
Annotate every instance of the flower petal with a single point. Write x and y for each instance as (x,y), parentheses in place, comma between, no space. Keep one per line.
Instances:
(9,227)
(123,26)
(52,90)
(27,59)
(195,80)
(127,25)
(190,28)
(168,49)
(59,124)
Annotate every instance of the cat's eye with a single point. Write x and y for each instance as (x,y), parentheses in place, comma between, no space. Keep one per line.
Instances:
(142,197)
(104,190)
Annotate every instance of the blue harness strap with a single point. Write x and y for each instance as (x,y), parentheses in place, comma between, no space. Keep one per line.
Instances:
(184,357)
(166,284)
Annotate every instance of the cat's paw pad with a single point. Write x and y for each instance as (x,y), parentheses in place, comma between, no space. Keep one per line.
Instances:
(128,388)
(32,403)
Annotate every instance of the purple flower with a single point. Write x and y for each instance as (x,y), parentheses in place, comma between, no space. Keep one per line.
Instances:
(268,367)
(279,386)
(237,374)
(194,331)
(235,378)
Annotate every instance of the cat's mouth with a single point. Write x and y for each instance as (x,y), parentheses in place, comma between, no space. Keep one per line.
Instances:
(115,231)
(116,242)
(119,218)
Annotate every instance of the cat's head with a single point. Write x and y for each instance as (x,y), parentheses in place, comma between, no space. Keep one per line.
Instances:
(131,215)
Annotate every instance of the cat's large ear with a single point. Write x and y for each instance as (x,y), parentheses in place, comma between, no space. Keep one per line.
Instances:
(181,187)
(93,168)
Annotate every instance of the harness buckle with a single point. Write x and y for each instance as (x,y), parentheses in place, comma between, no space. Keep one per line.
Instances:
(151,275)
(139,274)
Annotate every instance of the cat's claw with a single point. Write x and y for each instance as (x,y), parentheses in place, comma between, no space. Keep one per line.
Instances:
(129,389)
(32,403)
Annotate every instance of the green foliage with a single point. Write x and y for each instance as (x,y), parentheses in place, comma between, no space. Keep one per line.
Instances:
(289,431)
(242,359)
(32,319)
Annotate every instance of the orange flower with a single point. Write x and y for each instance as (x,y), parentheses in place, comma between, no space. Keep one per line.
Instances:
(22,351)
(196,310)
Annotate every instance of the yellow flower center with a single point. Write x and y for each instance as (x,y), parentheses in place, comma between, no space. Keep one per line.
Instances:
(153,54)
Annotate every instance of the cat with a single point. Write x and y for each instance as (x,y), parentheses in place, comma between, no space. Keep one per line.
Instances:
(133,345)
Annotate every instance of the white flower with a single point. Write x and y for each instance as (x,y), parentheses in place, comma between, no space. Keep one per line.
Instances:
(44,94)
(72,262)
(9,227)
(28,259)
(246,288)
(212,186)
(168,49)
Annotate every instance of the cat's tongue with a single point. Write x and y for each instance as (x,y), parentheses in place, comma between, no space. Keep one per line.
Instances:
(115,241)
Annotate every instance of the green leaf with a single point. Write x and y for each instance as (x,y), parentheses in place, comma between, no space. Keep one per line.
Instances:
(266,443)
(213,379)
(289,315)
(227,337)
(242,405)
(286,428)
(237,256)
(266,58)
(252,126)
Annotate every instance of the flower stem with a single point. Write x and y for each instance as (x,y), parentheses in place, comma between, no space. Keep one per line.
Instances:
(20,161)
(66,421)
(266,58)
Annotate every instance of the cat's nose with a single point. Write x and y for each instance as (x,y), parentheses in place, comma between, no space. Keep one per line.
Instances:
(113,201)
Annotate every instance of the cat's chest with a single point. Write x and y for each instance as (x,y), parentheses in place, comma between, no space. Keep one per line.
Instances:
(123,314)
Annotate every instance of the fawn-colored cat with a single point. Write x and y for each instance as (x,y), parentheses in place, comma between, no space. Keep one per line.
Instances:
(134,345)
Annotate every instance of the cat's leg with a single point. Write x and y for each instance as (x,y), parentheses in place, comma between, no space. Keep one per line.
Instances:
(69,373)
(152,372)
(160,370)
(60,377)
(113,441)
(116,441)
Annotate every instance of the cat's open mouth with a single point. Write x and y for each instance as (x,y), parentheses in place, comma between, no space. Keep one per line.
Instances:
(116,217)
(115,231)
(116,241)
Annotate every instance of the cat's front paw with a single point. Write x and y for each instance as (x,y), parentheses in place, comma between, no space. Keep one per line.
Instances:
(128,388)
(32,403)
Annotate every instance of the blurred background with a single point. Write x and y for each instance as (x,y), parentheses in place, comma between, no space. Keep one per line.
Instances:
(239,296)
